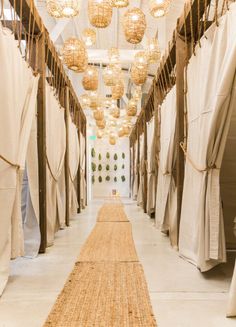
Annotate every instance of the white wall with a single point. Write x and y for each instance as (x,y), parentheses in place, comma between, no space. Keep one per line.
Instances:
(105,188)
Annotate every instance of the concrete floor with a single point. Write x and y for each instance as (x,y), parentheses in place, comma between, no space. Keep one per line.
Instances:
(181,296)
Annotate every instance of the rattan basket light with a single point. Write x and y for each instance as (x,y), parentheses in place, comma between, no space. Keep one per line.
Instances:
(95,100)
(119,3)
(63,8)
(153,51)
(98,114)
(99,134)
(111,74)
(134,25)
(115,112)
(101,124)
(126,129)
(112,139)
(141,59)
(159,8)
(114,55)
(138,75)
(121,132)
(75,55)
(89,36)
(90,79)
(132,108)
(117,91)
(84,100)
(100,13)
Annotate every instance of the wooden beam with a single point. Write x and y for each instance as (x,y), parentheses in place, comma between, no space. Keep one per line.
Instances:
(41,124)
(67,159)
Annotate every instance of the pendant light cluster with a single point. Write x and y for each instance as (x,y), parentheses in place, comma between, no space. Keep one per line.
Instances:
(63,8)
(159,8)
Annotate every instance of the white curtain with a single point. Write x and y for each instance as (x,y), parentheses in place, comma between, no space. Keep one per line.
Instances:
(140,169)
(82,172)
(18,91)
(136,171)
(166,198)
(151,141)
(210,100)
(74,155)
(30,197)
(56,147)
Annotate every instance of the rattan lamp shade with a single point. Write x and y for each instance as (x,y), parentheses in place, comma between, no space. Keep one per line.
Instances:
(115,112)
(100,13)
(117,91)
(75,55)
(138,75)
(134,25)
(132,108)
(114,55)
(121,132)
(153,51)
(89,36)
(110,75)
(63,8)
(98,115)
(112,139)
(141,59)
(101,124)
(119,3)
(159,8)
(84,101)
(95,100)
(90,79)
(99,134)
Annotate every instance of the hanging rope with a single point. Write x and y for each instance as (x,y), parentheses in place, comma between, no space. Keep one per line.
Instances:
(9,162)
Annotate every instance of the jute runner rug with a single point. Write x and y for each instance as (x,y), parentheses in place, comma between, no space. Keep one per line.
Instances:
(107,286)
(112,213)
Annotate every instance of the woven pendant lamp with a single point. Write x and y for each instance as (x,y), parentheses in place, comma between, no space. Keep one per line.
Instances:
(98,115)
(138,75)
(110,75)
(121,132)
(117,91)
(99,134)
(119,3)
(114,55)
(141,59)
(134,25)
(115,113)
(101,124)
(95,100)
(100,13)
(126,129)
(159,8)
(153,51)
(75,55)
(63,8)
(84,100)
(89,36)
(132,108)
(112,139)
(90,79)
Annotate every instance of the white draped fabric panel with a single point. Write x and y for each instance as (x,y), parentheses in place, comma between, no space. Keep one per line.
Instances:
(18,91)
(30,197)
(210,100)
(136,171)
(74,155)
(82,171)
(166,198)
(56,147)
(151,142)
(141,167)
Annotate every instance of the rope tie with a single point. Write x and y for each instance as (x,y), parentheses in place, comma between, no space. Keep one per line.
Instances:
(201,170)
(9,162)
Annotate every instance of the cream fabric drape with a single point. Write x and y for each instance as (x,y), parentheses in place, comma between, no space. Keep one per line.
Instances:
(30,197)
(74,155)
(210,100)
(82,171)
(56,147)
(231,309)
(18,90)
(166,197)
(136,171)
(140,169)
(151,140)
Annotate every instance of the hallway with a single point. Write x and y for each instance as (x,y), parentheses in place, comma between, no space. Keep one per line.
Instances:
(180,294)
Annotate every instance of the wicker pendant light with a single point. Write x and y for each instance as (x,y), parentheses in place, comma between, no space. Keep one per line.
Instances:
(63,8)
(153,51)
(75,55)
(95,100)
(99,134)
(141,59)
(159,8)
(100,13)
(121,132)
(114,55)
(134,25)
(115,113)
(98,114)
(112,139)
(138,75)
(101,124)
(119,3)
(117,91)
(90,79)
(84,101)
(89,36)
(110,75)
(132,108)
(126,129)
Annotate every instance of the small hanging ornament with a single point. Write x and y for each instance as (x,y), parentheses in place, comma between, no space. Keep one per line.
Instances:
(132,108)
(98,114)
(63,8)
(75,55)
(121,132)
(127,129)
(134,25)
(101,124)
(89,36)
(95,100)
(99,134)
(112,139)
(117,91)
(138,75)
(84,100)
(100,13)
(119,3)
(90,79)
(153,51)
(115,112)
(111,74)
(141,59)
(159,8)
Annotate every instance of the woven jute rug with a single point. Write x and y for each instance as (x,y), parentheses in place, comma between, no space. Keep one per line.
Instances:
(109,242)
(103,295)
(112,213)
